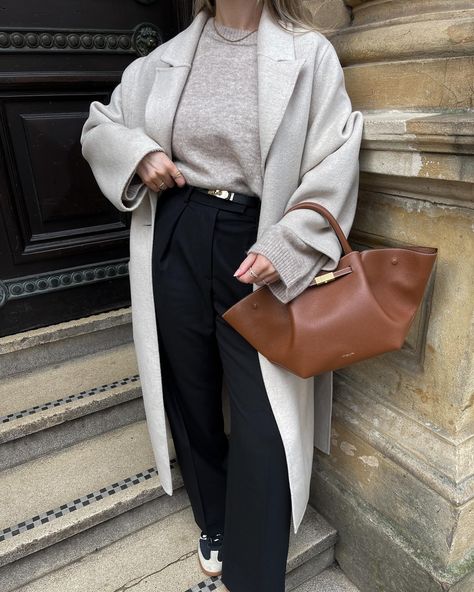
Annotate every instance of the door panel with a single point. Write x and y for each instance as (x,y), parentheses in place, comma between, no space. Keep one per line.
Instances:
(63,246)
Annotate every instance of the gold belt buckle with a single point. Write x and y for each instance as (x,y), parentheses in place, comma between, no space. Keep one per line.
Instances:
(222,193)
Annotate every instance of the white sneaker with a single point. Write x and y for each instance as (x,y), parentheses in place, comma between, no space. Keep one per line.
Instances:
(210,553)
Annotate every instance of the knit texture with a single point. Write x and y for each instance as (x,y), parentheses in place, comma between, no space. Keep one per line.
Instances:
(215,140)
(291,257)
(312,158)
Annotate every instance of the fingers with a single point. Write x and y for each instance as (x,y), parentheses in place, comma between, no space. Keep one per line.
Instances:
(245,265)
(156,168)
(175,174)
(263,279)
(260,266)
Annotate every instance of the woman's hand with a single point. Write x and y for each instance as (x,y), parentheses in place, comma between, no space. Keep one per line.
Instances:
(156,167)
(261,266)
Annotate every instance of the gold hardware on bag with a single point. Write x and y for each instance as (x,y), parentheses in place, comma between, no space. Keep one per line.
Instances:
(222,193)
(324,279)
(320,329)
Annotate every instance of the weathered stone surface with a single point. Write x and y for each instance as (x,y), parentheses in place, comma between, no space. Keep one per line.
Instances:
(329,14)
(370,11)
(399,482)
(443,83)
(398,41)
(407,495)
(439,393)
(370,549)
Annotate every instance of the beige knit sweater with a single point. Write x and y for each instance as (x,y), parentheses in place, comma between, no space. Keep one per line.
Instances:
(215,131)
(215,139)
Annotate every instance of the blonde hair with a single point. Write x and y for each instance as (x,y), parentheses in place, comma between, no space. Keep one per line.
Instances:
(289,11)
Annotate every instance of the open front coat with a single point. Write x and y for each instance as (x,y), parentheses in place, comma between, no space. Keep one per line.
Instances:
(309,141)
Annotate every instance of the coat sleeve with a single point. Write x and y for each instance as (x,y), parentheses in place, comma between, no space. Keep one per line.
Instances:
(302,243)
(113,149)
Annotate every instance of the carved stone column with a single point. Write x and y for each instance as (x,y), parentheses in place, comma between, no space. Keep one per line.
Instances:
(399,483)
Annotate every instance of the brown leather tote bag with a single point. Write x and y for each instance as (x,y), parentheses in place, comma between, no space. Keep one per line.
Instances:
(362,309)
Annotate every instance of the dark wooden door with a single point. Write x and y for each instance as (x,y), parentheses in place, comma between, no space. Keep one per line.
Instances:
(63,246)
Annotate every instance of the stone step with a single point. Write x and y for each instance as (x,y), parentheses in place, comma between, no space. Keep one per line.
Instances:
(49,408)
(332,579)
(77,475)
(59,495)
(42,347)
(163,557)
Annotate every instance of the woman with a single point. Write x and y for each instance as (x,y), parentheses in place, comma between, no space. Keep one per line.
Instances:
(243,107)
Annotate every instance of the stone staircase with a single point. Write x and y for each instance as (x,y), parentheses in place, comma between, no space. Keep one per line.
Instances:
(82,507)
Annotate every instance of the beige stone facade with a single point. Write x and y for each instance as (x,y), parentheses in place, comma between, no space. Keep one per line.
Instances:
(399,483)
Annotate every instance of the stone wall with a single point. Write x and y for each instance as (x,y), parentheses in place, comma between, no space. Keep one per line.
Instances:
(398,484)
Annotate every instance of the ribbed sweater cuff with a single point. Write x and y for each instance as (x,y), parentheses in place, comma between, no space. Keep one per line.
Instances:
(135,184)
(295,261)
(281,246)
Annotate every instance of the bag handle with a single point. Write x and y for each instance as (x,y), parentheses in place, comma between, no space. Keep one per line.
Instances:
(346,247)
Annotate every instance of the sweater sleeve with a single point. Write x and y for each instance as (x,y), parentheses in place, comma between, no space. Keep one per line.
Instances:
(135,187)
(302,243)
(113,149)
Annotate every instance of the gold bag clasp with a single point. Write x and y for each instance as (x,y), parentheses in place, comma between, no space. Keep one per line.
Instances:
(324,279)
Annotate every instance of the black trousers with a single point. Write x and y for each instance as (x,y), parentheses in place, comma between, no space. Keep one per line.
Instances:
(238,486)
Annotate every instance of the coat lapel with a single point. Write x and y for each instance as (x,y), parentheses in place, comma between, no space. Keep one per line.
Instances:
(291,398)
(277,74)
(278,71)
(169,81)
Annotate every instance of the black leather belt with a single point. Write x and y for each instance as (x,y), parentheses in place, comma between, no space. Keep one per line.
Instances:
(241,198)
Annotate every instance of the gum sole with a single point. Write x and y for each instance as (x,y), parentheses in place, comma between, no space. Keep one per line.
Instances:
(208,573)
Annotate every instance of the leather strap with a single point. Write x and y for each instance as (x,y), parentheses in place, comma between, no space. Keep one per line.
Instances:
(346,247)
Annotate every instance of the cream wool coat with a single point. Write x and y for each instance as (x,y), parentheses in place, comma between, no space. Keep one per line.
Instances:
(309,140)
